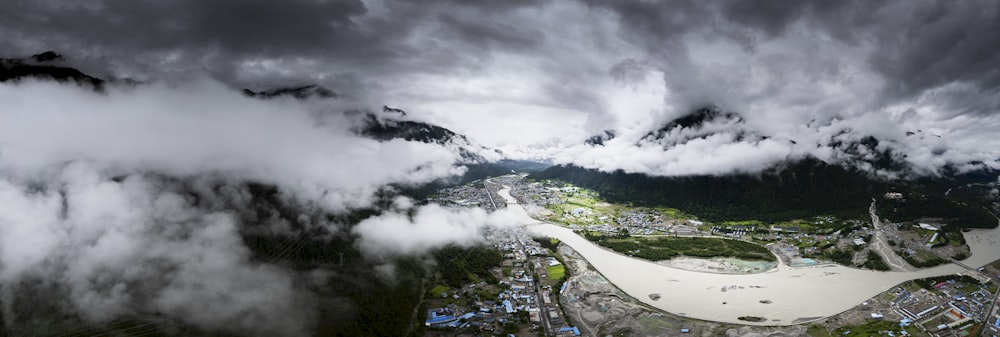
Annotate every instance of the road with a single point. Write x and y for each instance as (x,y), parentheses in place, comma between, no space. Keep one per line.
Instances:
(880,246)
(543,310)
(486,186)
(988,314)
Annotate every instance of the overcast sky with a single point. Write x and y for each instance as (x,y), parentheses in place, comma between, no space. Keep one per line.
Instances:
(538,77)
(89,181)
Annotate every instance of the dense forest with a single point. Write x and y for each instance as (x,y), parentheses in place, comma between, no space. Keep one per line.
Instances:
(459,266)
(800,190)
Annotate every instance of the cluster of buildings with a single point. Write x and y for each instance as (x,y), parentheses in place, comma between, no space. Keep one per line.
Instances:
(469,195)
(539,193)
(733,231)
(640,218)
(948,307)
(525,298)
(530,289)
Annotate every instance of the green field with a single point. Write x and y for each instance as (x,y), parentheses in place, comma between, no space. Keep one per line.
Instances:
(671,212)
(556,272)
(665,248)
(816,330)
(873,328)
(438,290)
(741,223)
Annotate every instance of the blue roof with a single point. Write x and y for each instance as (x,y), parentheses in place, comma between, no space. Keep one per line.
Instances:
(468,315)
(575,330)
(563,288)
(440,319)
(507,306)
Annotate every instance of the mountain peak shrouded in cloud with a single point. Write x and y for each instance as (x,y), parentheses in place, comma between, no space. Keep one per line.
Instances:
(46,65)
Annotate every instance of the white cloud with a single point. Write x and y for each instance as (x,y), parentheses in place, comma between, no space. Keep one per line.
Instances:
(133,248)
(429,227)
(91,196)
(203,128)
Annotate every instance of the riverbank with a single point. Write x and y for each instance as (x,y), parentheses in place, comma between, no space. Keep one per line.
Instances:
(781,296)
(718,265)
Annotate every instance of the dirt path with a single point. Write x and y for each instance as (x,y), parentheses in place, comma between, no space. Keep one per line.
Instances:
(880,246)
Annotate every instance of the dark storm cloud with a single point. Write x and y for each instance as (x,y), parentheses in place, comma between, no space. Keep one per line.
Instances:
(921,45)
(486,33)
(776,62)
(250,27)
(930,46)
(248,43)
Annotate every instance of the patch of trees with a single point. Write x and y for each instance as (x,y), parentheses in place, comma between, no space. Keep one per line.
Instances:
(928,283)
(459,265)
(665,248)
(547,243)
(841,256)
(875,262)
(925,263)
(962,207)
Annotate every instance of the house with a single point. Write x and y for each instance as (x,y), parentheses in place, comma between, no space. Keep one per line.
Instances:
(573,329)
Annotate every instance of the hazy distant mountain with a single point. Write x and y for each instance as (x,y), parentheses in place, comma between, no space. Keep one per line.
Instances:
(302,92)
(45,65)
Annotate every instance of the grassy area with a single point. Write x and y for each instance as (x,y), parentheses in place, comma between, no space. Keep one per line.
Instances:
(816,225)
(923,259)
(741,223)
(816,330)
(664,248)
(872,328)
(556,272)
(439,290)
(671,212)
